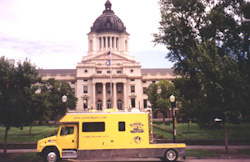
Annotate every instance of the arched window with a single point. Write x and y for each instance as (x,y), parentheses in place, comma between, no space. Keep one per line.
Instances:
(99,104)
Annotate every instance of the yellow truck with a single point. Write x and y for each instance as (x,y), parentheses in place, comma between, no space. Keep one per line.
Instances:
(107,135)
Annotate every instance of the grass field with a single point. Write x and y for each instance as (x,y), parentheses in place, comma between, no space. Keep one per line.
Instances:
(201,153)
(234,131)
(15,135)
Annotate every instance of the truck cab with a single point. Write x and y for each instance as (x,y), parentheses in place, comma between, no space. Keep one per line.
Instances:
(98,135)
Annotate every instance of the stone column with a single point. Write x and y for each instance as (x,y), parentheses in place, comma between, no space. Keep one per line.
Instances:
(106,43)
(94,99)
(104,96)
(115,44)
(102,45)
(115,98)
(125,95)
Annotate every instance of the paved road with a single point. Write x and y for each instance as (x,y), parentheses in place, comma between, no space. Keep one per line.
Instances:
(217,160)
(220,147)
(187,160)
(155,159)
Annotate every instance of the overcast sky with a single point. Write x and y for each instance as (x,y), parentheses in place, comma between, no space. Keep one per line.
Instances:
(53,33)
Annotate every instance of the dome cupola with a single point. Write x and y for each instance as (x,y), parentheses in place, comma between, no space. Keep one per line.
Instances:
(108,21)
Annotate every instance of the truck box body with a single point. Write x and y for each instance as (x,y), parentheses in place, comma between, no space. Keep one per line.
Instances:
(107,135)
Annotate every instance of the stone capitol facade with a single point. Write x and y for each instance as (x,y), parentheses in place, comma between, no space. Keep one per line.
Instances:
(108,76)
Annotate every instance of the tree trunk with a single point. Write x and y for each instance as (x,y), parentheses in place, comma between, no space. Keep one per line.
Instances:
(225,136)
(30,129)
(5,141)
(164,117)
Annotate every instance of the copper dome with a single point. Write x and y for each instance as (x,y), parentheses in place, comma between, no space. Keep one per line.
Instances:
(108,21)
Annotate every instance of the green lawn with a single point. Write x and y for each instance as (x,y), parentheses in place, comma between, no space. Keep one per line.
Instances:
(201,153)
(234,131)
(27,156)
(38,132)
(244,151)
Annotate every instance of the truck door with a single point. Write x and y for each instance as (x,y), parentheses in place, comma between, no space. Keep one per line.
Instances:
(67,137)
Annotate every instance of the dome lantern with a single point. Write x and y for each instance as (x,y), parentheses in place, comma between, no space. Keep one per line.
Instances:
(108,5)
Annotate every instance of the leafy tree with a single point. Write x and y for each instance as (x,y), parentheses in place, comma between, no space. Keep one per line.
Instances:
(152,95)
(209,43)
(189,92)
(52,91)
(221,85)
(16,90)
(6,100)
(185,21)
(158,95)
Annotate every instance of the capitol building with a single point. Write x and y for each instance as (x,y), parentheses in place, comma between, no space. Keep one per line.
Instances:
(108,76)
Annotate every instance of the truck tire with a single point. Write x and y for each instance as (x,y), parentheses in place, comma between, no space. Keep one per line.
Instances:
(51,155)
(171,155)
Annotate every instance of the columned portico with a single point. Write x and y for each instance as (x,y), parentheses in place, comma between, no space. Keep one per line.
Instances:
(91,79)
(108,35)
(104,96)
(94,95)
(125,96)
(115,98)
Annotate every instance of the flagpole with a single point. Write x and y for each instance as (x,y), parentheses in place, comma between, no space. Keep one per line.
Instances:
(111,79)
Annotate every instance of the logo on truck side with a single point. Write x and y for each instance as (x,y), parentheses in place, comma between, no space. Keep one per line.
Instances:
(137,139)
(137,127)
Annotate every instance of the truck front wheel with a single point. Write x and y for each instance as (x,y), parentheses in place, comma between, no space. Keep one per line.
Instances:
(171,155)
(51,155)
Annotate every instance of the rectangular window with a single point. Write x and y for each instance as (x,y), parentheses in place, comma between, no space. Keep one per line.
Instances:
(132,80)
(93,127)
(85,104)
(132,89)
(66,131)
(145,104)
(85,89)
(99,72)
(133,102)
(144,90)
(85,80)
(119,89)
(99,90)
(121,126)
(108,89)
(119,72)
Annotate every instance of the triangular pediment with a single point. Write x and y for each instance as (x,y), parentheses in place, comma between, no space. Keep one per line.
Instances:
(114,58)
